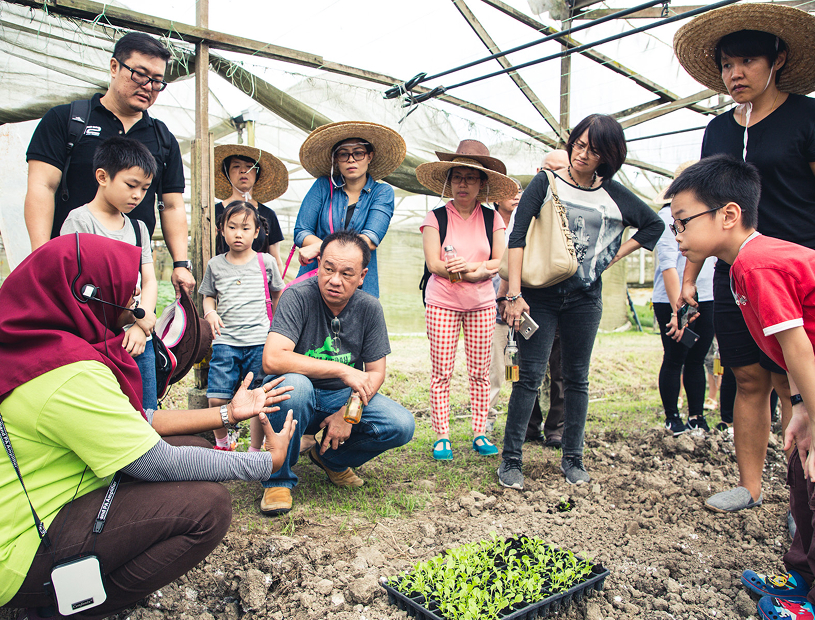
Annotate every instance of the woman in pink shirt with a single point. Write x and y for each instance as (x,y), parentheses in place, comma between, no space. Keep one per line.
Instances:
(459,291)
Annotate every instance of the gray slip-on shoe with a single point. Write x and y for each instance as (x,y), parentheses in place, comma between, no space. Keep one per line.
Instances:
(733,500)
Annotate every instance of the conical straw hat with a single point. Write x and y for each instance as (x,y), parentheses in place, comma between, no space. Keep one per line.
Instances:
(273,179)
(389,147)
(695,43)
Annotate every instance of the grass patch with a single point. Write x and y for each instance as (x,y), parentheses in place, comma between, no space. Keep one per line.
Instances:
(623,394)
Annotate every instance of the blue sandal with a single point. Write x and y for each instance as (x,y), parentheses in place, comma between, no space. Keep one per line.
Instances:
(790,584)
(789,608)
(486,447)
(443,450)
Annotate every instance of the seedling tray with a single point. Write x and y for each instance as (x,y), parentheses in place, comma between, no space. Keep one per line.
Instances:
(428,609)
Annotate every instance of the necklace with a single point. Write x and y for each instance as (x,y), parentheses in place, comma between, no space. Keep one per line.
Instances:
(589,186)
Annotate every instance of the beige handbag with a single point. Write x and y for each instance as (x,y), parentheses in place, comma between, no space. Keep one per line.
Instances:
(549,255)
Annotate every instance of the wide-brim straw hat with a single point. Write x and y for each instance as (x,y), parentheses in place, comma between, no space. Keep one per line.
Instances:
(661,199)
(470,154)
(695,43)
(389,147)
(272,181)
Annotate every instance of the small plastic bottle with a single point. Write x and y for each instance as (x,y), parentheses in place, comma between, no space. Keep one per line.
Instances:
(718,369)
(353,409)
(512,372)
(449,254)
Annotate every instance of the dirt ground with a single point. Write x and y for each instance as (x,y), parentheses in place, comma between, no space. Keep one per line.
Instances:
(642,517)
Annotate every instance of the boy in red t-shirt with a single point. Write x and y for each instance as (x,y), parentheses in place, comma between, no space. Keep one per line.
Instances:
(773,282)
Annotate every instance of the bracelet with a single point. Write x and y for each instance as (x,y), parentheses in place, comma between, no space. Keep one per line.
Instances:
(796,399)
(514,297)
(206,313)
(498,300)
(225,416)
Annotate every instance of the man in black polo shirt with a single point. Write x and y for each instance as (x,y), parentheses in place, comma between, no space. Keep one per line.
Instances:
(136,78)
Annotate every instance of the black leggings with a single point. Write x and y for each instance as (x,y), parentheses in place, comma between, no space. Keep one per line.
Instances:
(677,355)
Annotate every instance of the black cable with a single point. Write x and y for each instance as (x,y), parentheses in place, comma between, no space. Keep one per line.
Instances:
(580,48)
(667,133)
(562,33)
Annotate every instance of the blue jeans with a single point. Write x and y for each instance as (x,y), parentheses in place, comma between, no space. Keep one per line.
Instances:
(147,367)
(385,424)
(229,366)
(578,316)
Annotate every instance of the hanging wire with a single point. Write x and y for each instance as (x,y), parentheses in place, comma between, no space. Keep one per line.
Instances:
(423,77)
(667,133)
(580,48)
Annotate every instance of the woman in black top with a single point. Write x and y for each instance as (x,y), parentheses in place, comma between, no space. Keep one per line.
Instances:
(599,211)
(740,50)
(252,175)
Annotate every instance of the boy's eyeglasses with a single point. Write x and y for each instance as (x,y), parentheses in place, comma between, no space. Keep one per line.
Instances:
(679,225)
(143,80)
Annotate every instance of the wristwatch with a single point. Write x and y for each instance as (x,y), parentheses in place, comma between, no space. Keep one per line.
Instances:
(796,399)
(183,263)
(225,418)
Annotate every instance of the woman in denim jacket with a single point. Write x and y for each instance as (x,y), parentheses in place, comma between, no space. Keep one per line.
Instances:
(348,158)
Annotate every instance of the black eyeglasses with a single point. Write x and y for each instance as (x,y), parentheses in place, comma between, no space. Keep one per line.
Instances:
(357,155)
(143,80)
(335,330)
(679,225)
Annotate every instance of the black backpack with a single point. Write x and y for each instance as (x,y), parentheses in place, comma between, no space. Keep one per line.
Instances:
(77,123)
(441,218)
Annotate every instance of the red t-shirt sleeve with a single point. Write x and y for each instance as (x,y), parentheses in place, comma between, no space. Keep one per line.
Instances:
(773,296)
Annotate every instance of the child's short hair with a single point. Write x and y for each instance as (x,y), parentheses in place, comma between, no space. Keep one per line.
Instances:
(238,207)
(720,179)
(120,153)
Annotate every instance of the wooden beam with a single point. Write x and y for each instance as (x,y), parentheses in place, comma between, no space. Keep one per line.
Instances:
(125,18)
(656,12)
(527,91)
(202,203)
(565,92)
(650,167)
(638,108)
(89,10)
(667,108)
(591,54)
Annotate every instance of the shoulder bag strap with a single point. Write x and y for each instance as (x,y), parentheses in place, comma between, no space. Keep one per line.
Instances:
(265,286)
(78,117)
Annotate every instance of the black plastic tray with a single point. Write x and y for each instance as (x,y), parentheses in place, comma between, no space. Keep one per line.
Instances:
(415,606)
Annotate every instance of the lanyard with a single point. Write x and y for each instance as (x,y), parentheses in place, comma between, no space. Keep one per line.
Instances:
(98,525)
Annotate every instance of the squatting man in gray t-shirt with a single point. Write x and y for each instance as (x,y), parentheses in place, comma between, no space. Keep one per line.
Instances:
(329,339)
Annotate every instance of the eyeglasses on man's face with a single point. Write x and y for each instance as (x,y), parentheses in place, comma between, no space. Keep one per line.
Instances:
(143,80)
(679,225)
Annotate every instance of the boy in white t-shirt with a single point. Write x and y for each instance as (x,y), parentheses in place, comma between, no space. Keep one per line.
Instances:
(124,171)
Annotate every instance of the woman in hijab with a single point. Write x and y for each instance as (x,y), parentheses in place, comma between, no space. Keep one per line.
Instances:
(69,400)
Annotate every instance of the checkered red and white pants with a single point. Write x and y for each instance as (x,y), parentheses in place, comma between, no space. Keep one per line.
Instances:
(443,328)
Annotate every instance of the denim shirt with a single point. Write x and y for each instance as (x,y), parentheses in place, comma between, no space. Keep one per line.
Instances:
(371,218)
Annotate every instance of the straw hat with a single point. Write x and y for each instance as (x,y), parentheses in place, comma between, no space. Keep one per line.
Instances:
(469,154)
(273,179)
(695,43)
(661,199)
(389,147)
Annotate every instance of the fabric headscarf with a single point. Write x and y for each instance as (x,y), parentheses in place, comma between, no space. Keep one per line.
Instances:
(43,326)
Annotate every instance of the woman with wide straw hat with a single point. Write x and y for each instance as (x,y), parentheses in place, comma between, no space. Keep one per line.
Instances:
(599,210)
(249,174)
(347,158)
(459,291)
(763,56)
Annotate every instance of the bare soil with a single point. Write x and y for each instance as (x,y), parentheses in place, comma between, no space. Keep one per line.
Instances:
(642,517)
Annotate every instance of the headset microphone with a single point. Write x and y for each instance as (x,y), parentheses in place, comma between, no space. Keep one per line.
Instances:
(90,292)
